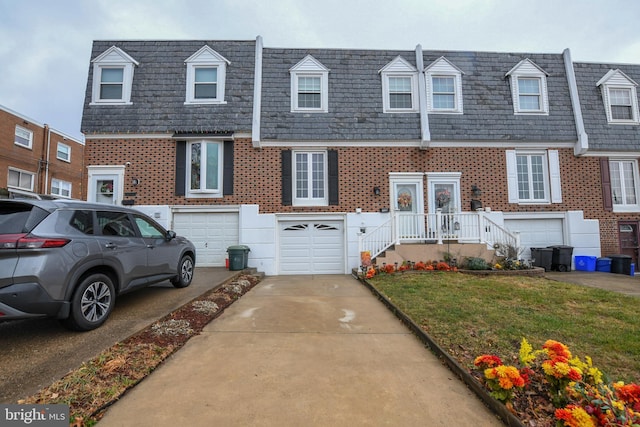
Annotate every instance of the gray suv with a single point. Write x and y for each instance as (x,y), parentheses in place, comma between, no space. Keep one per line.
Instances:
(69,259)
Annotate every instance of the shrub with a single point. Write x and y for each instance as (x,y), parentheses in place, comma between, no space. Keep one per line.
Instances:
(475,263)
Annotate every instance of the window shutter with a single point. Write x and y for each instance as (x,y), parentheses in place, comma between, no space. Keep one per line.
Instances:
(227,177)
(606,184)
(332,156)
(554,174)
(181,167)
(512,176)
(287,183)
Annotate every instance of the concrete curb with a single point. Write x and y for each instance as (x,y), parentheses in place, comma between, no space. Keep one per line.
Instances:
(498,408)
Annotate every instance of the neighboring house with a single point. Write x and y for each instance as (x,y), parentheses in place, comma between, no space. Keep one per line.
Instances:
(309,156)
(36,159)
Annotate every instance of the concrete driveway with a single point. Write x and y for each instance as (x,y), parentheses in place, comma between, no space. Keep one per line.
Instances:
(302,350)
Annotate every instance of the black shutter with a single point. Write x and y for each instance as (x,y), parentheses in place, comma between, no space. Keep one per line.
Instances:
(181,167)
(607,200)
(287,183)
(333,177)
(227,177)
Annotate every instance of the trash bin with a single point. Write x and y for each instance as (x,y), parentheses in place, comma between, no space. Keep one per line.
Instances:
(542,257)
(238,257)
(603,265)
(585,263)
(561,257)
(620,264)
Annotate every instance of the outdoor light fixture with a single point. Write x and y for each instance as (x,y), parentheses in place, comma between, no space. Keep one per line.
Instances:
(376,191)
(135,181)
(475,191)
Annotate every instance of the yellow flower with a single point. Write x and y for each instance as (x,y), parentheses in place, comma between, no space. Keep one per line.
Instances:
(526,353)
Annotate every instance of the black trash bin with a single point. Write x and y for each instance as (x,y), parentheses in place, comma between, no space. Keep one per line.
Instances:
(561,257)
(238,257)
(620,264)
(542,257)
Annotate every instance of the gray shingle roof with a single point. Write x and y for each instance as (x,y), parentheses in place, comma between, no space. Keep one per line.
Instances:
(602,135)
(159,85)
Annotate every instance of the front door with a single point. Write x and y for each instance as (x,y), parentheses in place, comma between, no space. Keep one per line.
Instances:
(629,239)
(106,184)
(444,197)
(408,203)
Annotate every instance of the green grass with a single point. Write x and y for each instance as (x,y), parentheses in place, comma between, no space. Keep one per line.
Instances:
(471,315)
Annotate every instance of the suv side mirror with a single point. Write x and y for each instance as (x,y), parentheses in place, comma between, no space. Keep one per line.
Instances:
(170,235)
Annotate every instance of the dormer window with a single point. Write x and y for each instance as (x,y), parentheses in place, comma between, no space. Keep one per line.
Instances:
(444,87)
(399,84)
(206,73)
(112,77)
(309,86)
(620,98)
(529,88)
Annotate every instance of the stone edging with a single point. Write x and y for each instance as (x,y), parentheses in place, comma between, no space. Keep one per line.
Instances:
(498,408)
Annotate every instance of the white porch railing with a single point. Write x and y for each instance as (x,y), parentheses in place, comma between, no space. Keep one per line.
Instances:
(464,227)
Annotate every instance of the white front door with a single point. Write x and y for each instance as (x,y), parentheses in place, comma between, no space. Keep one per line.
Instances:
(444,195)
(407,202)
(106,184)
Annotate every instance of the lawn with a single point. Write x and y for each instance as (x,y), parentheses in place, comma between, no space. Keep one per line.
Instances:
(470,315)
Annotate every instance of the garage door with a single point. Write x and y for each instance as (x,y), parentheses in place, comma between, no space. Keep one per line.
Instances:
(211,233)
(311,247)
(537,233)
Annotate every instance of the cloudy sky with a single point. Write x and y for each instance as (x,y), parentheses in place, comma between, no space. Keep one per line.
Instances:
(45,45)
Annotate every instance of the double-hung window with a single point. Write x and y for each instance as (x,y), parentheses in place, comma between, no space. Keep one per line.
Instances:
(112,77)
(620,98)
(206,75)
(205,168)
(309,86)
(60,188)
(399,87)
(529,88)
(23,137)
(310,178)
(624,185)
(533,177)
(444,87)
(63,152)
(20,179)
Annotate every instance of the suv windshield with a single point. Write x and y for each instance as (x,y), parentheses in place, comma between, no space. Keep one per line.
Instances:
(20,217)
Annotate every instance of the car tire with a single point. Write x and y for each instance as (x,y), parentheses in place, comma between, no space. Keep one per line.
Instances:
(93,300)
(185,272)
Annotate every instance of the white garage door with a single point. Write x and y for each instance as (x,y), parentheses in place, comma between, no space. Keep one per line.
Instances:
(211,233)
(537,233)
(311,247)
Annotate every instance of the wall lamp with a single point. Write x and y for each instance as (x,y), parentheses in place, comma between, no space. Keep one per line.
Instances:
(475,191)
(135,181)
(376,191)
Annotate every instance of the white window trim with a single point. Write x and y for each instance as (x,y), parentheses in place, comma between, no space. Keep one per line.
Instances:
(206,58)
(636,178)
(528,70)
(443,68)
(21,129)
(21,171)
(113,57)
(399,67)
(62,185)
(204,194)
(616,79)
(552,178)
(68,150)
(310,201)
(310,67)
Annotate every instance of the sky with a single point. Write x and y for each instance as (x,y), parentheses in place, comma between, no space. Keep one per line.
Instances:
(45,45)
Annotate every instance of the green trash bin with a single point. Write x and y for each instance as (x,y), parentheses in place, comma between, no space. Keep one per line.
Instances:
(238,257)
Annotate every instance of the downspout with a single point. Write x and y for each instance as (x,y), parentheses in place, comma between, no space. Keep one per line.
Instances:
(46,163)
(582,145)
(425,136)
(257,95)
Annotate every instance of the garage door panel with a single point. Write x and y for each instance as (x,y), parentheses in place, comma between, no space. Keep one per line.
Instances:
(537,233)
(211,233)
(311,248)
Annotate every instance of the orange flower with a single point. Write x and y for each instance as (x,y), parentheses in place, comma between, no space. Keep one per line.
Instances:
(487,361)
(556,349)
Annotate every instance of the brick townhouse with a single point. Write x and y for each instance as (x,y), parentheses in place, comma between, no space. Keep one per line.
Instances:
(309,156)
(36,159)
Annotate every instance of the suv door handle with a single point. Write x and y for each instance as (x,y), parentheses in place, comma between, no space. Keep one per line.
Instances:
(110,245)
(151,246)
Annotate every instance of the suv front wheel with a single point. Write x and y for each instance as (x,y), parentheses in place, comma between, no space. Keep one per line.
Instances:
(92,303)
(185,272)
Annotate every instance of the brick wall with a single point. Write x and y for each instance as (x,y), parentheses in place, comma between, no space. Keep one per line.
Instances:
(257,178)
